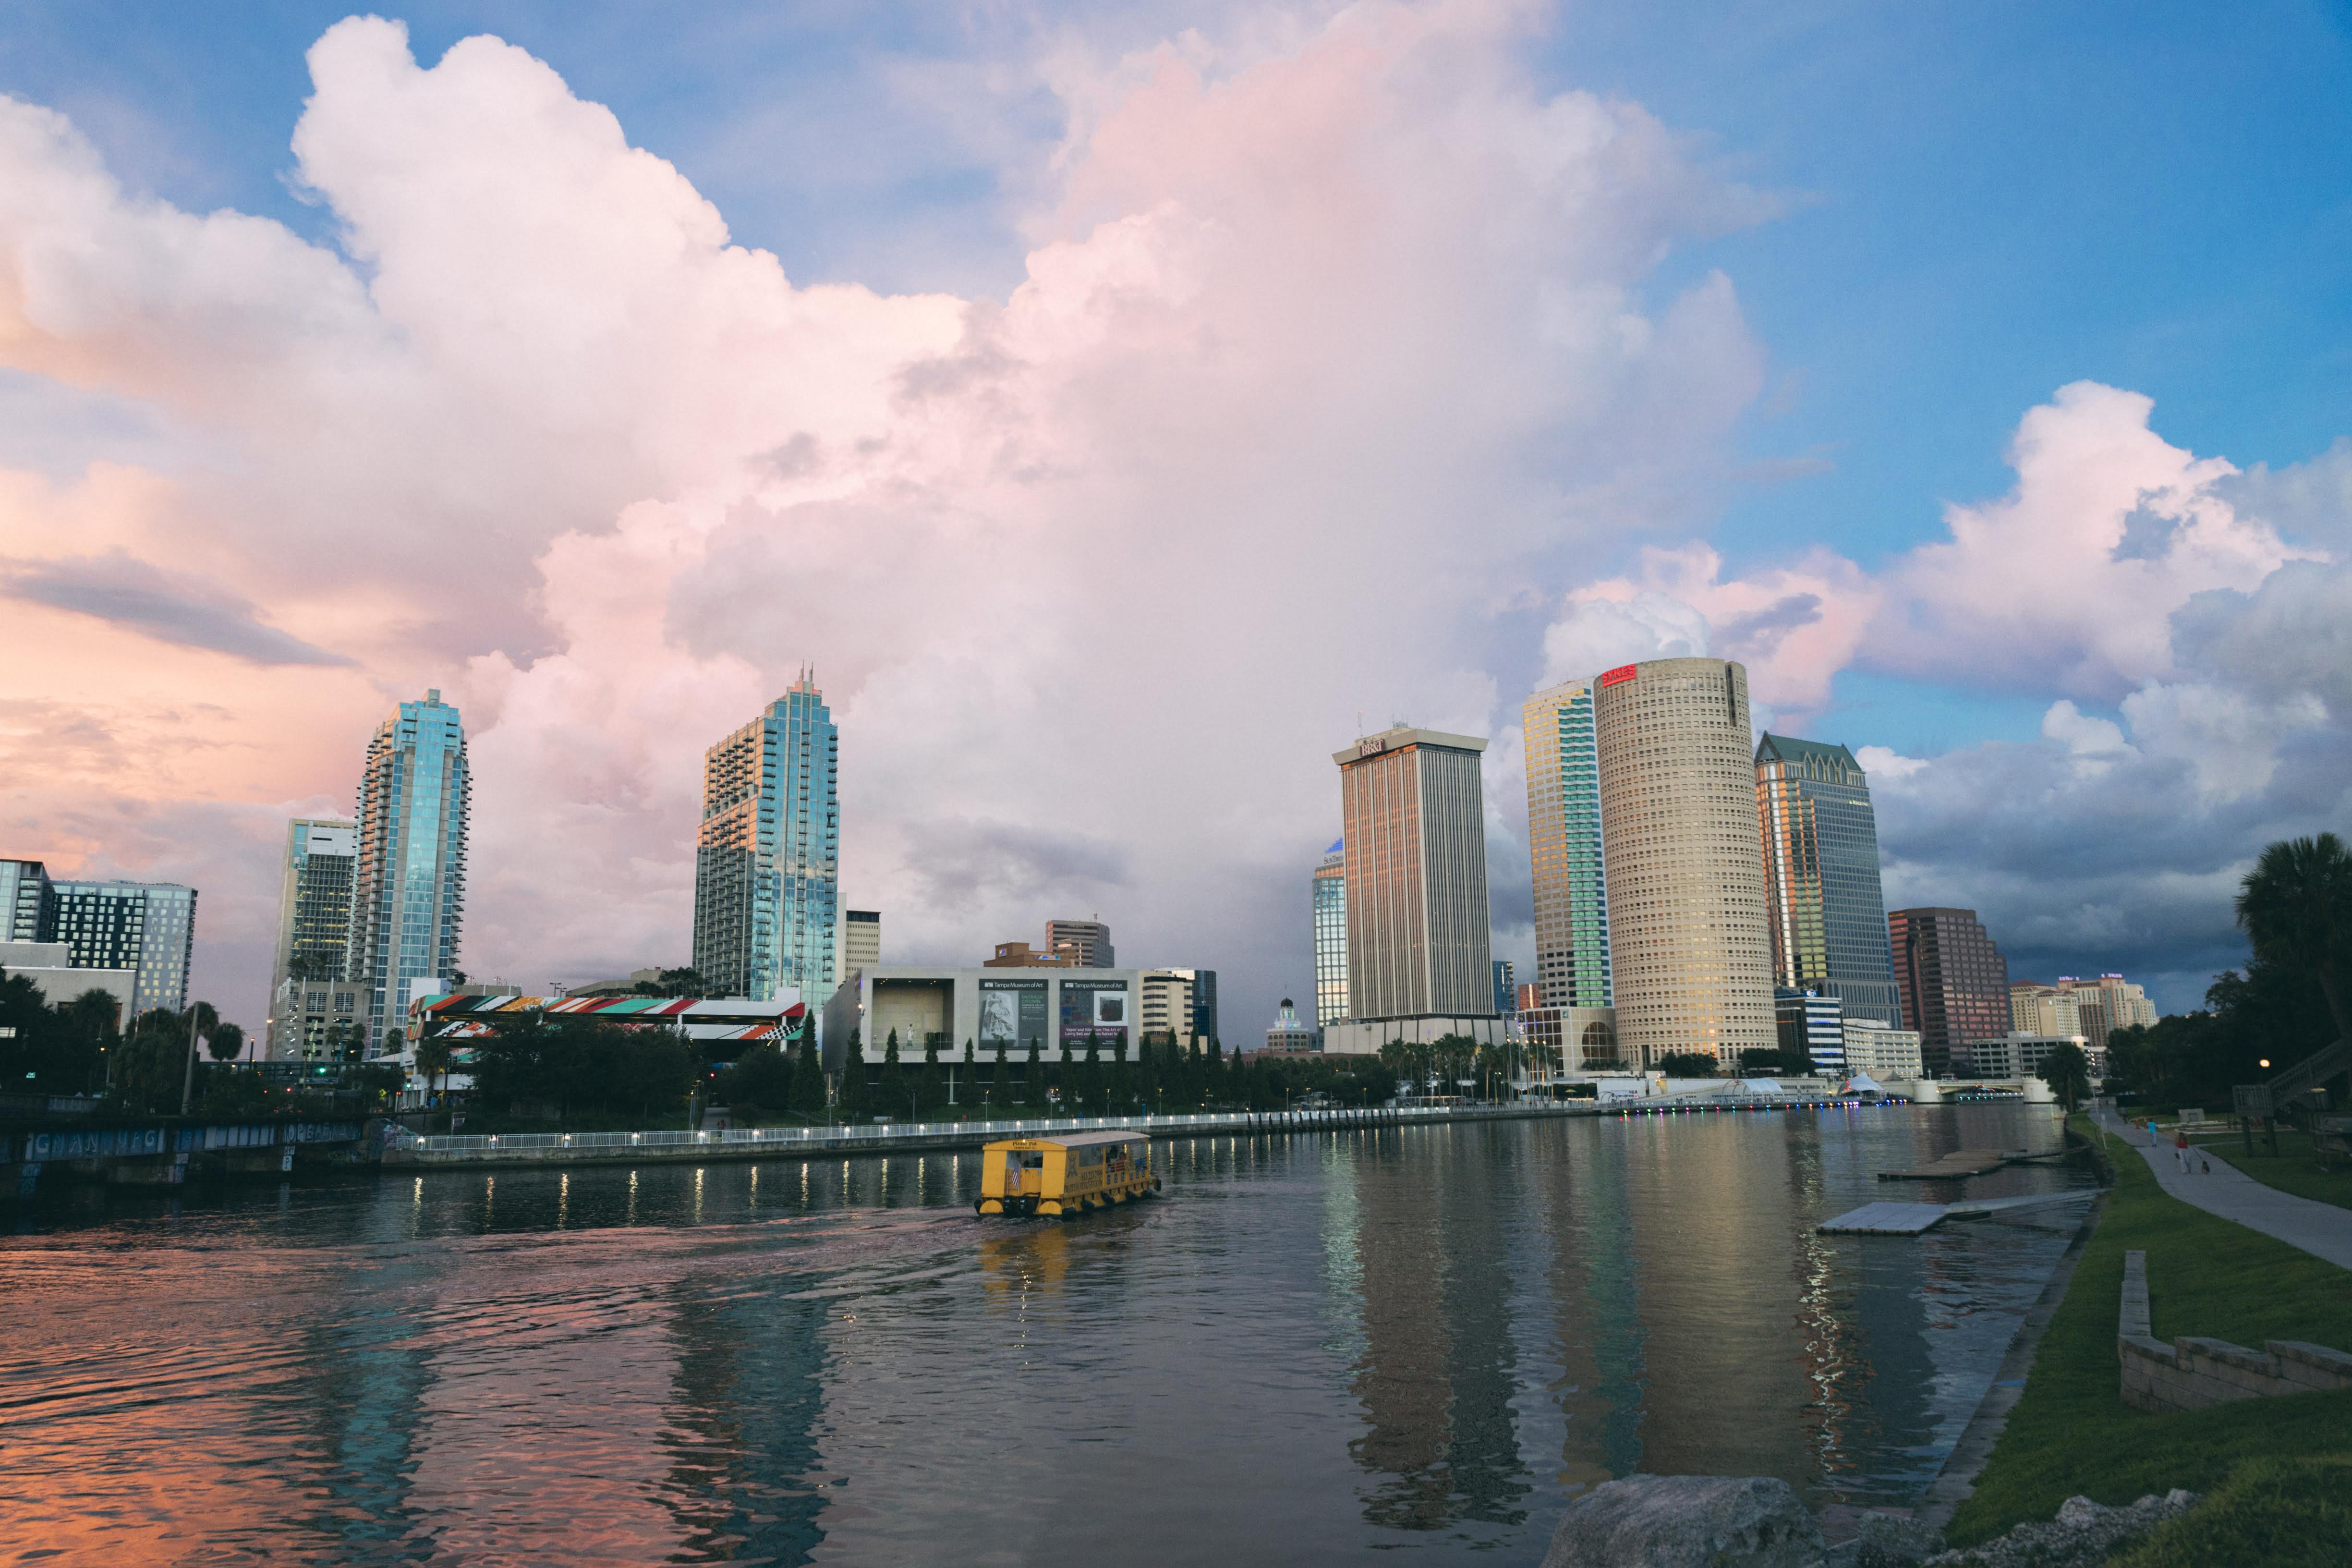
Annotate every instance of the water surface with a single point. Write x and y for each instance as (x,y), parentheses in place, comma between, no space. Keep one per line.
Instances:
(1423,1340)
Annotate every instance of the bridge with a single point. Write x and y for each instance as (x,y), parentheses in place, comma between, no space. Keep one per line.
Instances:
(161,1152)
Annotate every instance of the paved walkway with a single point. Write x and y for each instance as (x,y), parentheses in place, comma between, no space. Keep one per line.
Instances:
(2324,1230)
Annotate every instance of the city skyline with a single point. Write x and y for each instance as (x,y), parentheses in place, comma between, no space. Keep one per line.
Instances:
(605,468)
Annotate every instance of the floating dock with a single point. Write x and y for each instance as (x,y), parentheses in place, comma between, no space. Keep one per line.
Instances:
(1915,1219)
(1960,1162)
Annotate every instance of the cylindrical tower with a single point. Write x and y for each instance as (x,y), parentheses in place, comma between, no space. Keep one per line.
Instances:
(1690,951)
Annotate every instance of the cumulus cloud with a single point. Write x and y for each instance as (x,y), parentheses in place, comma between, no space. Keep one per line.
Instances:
(2187,622)
(1317,339)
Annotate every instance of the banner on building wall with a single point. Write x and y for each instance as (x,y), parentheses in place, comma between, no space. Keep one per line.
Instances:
(1098,1008)
(1013,1012)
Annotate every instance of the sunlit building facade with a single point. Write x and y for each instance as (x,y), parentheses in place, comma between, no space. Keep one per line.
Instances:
(1414,831)
(1690,953)
(1571,900)
(408,870)
(767,861)
(1330,892)
(1822,898)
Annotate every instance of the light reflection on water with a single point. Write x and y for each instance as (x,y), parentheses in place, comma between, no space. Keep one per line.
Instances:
(1428,1337)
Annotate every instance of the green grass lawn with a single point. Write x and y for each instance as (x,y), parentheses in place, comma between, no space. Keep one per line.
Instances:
(2292,1170)
(2072,1433)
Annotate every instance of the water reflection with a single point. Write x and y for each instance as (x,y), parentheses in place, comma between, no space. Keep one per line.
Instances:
(1429,1337)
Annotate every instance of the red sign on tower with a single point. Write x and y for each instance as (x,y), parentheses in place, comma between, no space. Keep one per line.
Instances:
(1618,675)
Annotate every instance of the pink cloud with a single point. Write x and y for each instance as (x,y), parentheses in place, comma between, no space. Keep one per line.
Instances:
(1315,346)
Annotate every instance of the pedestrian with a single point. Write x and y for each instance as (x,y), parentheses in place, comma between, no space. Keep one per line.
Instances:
(2153,1140)
(2180,1150)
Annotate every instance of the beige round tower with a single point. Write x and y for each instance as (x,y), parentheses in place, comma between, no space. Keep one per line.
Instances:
(1690,948)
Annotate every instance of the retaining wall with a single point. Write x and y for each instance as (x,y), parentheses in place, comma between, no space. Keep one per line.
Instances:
(2192,1372)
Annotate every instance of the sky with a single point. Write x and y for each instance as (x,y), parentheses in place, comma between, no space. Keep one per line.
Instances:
(1120,406)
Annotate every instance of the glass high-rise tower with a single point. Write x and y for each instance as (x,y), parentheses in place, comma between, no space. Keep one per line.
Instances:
(1821,891)
(408,868)
(1564,847)
(1330,884)
(767,860)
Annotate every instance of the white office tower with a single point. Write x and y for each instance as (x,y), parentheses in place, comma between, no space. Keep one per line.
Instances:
(1690,949)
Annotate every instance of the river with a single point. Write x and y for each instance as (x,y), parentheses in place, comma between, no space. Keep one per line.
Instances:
(1425,1339)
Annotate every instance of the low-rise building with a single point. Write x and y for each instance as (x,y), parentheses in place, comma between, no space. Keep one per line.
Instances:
(1888,1056)
(1578,1040)
(1365,1036)
(1289,1035)
(1020,955)
(468,1014)
(49,966)
(2020,1054)
(1044,1005)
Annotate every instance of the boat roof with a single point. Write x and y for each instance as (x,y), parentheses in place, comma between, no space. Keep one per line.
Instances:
(1076,1139)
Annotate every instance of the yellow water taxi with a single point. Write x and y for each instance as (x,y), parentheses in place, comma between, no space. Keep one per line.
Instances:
(1065,1173)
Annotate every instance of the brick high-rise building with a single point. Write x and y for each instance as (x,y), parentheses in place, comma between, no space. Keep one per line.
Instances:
(1954,982)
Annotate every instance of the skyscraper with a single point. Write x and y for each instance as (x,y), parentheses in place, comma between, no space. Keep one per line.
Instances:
(1412,809)
(408,871)
(1505,988)
(1330,895)
(1822,898)
(26,898)
(1954,982)
(1564,847)
(767,861)
(146,927)
(314,931)
(1690,957)
(1087,941)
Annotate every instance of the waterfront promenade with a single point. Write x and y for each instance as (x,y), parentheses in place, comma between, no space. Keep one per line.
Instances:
(2324,1230)
(884,1138)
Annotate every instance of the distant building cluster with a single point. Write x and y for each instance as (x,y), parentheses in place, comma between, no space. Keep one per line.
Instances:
(1695,894)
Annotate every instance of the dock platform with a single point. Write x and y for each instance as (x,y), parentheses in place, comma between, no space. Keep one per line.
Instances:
(1916,1220)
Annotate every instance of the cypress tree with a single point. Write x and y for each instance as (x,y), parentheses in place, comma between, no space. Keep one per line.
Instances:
(1090,1086)
(892,1092)
(1032,1086)
(999,1087)
(808,1076)
(851,1097)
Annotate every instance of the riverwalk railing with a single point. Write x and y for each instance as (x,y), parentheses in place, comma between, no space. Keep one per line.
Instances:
(866,1136)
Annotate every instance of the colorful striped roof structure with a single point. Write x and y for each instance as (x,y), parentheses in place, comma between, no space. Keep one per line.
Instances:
(699,1018)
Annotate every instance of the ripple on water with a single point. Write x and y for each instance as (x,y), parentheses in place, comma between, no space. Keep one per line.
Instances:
(1428,1337)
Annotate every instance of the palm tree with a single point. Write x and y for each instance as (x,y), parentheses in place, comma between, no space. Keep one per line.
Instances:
(434,1054)
(2296,906)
